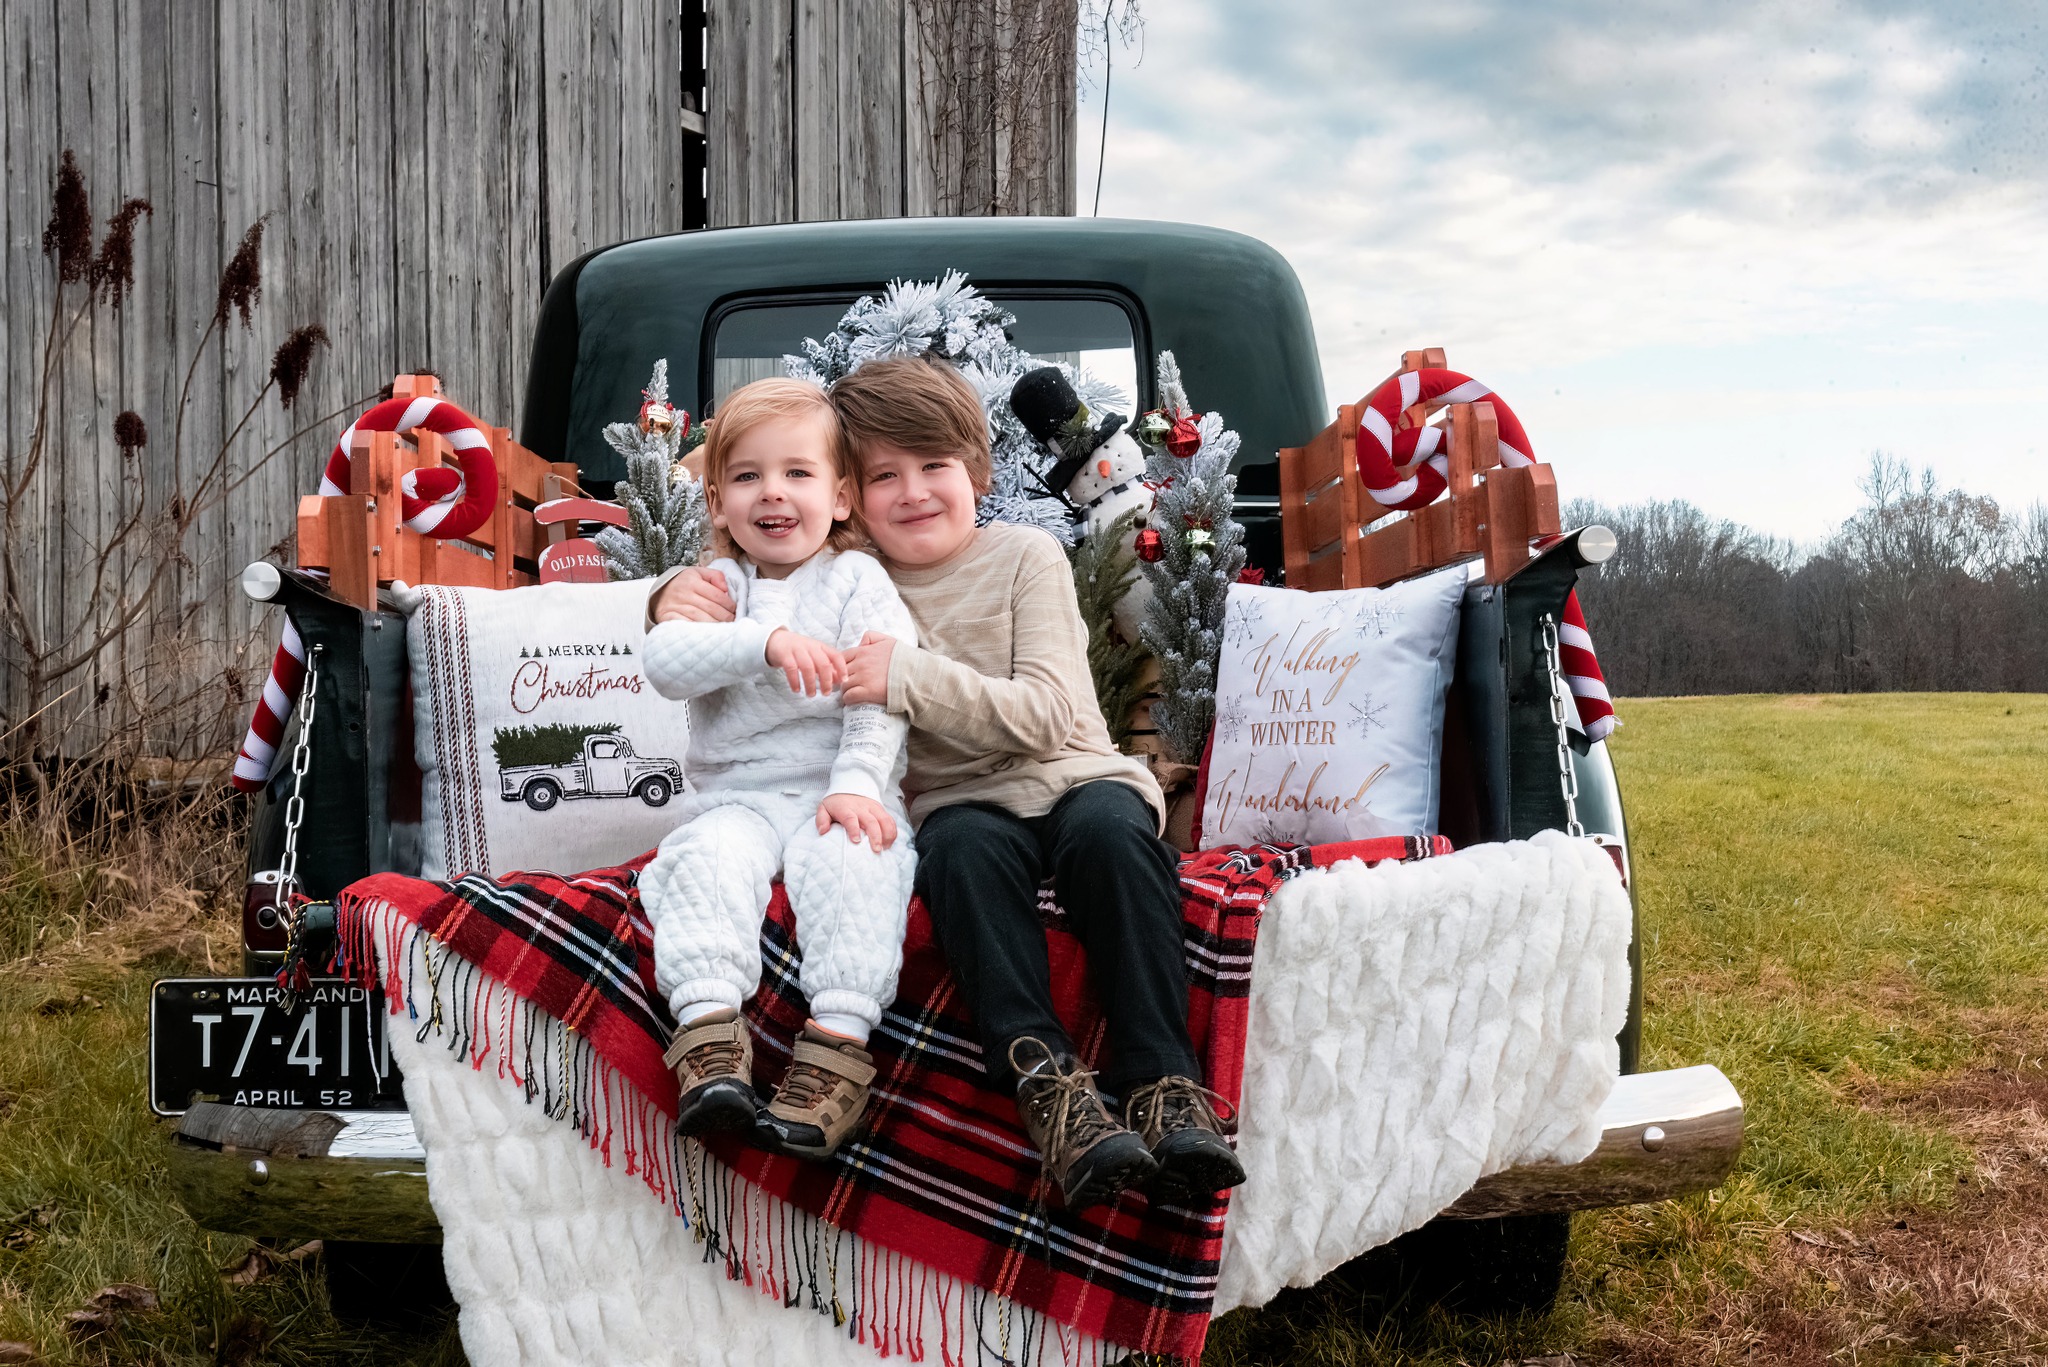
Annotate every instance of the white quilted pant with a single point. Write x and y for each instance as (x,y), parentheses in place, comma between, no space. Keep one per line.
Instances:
(707,890)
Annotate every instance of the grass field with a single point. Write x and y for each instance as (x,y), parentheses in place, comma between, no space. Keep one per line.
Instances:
(1845,906)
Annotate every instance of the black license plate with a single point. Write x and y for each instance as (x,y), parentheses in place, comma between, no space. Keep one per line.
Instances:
(231,1040)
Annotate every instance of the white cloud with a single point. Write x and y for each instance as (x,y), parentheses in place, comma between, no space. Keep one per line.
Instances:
(1543,192)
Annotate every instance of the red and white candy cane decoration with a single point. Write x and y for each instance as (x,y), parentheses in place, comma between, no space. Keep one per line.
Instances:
(273,710)
(436,502)
(1381,449)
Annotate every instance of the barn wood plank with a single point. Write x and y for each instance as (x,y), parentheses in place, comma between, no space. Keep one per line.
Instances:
(819,116)
(254,116)
(413,164)
(869,80)
(518,201)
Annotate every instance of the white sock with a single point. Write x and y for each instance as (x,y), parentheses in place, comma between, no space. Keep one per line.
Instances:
(697,1011)
(839,1023)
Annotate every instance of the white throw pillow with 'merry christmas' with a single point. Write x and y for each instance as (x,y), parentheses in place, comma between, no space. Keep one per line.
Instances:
(1330,712)
(541,744)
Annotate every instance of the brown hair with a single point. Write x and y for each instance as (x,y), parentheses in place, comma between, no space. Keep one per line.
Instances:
(917,404)
(767,401)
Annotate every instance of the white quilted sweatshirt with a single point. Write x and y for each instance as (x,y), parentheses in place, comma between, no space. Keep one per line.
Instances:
(748,732)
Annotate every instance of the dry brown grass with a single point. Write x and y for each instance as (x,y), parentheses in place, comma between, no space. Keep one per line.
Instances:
(128,872)
(1963,1282)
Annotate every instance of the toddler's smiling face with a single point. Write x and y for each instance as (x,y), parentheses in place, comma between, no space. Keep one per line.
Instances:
(781,492)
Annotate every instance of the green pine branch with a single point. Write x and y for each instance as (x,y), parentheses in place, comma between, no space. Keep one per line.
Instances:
(1104,571)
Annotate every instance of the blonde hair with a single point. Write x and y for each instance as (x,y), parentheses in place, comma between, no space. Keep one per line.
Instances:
(769,401)
(920,405)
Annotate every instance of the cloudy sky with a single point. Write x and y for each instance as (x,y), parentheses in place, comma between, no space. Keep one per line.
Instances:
(1720,252)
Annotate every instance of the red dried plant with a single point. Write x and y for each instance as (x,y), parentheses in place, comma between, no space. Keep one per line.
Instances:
(69,233)
(241,284)
(131,434)
(293,359)
(113,270)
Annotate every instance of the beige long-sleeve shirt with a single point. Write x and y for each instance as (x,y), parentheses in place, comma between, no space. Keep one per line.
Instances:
(1000,701)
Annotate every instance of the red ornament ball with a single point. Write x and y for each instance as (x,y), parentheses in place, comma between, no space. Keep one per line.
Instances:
(1185,439)
(1150,546)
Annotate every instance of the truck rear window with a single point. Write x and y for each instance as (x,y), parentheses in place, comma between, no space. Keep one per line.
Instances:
(750,341)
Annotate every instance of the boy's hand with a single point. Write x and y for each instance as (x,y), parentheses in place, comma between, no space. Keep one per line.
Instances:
(812,667)
(694,596)
(867,670)
(861,816)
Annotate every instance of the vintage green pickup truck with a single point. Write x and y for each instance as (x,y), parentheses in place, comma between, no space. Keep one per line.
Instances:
(299,1158)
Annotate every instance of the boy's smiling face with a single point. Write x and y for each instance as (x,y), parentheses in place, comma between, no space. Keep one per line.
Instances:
(919,507)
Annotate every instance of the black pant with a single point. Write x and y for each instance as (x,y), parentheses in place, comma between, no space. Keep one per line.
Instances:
(978,871)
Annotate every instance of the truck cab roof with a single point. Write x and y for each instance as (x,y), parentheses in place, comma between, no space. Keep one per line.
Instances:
(722,305)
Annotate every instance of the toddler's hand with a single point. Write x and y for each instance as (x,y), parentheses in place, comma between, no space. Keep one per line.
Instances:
(861,816)
(694,596)
(812,667)
(867,670)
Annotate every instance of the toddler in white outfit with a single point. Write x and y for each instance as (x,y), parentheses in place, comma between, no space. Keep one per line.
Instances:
(785,780)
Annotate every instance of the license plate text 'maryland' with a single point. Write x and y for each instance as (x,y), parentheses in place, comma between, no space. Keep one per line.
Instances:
(232,1040)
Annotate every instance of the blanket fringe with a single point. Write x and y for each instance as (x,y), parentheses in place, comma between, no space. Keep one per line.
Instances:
(881,1297)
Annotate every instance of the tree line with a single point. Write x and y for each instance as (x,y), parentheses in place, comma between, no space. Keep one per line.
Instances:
(1922,588)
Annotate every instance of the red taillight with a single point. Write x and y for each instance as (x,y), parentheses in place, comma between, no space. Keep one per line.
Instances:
(262,923)
(1617,852)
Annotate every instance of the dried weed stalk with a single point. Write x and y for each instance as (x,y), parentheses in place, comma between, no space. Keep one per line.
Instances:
(60,663)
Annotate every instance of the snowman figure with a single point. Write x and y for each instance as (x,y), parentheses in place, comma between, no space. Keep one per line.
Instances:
(1099,469)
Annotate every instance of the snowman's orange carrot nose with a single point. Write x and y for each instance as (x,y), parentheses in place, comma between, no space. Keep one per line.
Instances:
(1102,468)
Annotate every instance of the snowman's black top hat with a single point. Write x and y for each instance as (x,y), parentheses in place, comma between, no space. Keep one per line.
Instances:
(1051,411)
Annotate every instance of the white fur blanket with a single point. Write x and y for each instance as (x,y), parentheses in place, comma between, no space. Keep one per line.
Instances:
(1413,1028)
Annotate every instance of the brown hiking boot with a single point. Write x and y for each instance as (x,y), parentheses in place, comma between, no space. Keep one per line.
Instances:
(822,1097)
(1084,1149)
(1177,1119)
(714,1064)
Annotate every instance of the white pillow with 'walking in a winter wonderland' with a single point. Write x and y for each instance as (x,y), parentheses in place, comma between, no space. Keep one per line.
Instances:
(540,742)
(1330,712)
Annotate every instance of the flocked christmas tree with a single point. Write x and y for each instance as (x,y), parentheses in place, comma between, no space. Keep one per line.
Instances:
(663,499)
(1193,552)
(952,320)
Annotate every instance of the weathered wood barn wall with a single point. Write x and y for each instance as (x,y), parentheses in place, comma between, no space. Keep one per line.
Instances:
(421,168)
(824,109)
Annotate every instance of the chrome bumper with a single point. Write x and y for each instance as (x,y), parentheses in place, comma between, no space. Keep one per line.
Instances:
(1662,1135)
(356,1175)
(363,1175)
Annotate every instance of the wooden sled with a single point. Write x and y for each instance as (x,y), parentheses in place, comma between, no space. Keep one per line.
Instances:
(1488,509)
(361,544)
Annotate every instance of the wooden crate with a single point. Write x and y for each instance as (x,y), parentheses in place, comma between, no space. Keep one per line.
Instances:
(360,541)
(1488,510)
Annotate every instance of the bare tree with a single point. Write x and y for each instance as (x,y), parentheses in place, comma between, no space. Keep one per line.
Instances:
(1921,588)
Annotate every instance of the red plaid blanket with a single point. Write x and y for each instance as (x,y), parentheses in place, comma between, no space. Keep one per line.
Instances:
(940,1171)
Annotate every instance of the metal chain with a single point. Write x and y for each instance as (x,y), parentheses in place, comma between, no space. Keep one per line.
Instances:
(293,914)
(1567,776)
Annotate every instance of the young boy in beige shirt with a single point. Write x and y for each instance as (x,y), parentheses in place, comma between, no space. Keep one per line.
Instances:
(1012,777)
